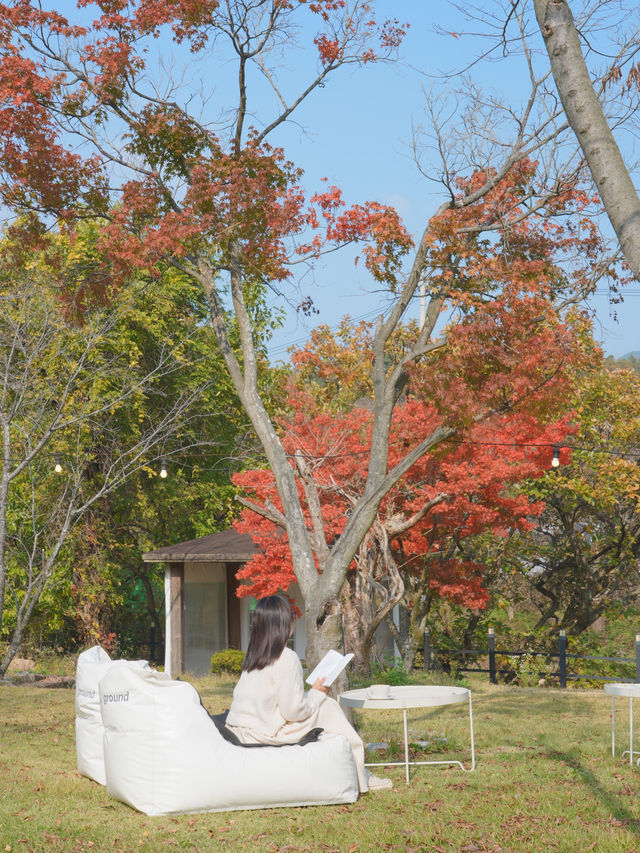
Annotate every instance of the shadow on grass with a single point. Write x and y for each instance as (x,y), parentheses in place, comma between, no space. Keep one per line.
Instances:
(612,803)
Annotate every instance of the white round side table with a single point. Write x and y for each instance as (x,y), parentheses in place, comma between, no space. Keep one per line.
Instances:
(631,690)
(404,697)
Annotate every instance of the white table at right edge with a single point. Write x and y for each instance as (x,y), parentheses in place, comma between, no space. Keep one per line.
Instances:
(632,690)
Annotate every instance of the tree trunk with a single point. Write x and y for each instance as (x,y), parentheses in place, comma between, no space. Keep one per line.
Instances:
(469,631)
(327,635)
(586,117)
(4,492)
(404,640)
(24,611)
(152,608)
(352,628)
(408,654)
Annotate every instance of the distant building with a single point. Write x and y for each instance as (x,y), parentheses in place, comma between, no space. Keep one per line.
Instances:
(203,613)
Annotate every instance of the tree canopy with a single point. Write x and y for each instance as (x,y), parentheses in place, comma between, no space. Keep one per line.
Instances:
(582,555)
(93,124)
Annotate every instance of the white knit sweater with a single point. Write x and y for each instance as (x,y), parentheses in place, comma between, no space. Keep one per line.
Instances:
(265,699)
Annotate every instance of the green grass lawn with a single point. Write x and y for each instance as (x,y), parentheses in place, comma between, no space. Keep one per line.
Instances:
(545,780)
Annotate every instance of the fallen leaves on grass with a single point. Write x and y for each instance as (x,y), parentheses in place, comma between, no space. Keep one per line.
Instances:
(467,825)
(481,847)
(433,806)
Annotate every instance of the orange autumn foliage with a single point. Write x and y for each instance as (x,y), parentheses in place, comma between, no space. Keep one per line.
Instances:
(473,477)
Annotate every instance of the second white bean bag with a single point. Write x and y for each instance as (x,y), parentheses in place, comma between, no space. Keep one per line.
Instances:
(164,755)
(92,665)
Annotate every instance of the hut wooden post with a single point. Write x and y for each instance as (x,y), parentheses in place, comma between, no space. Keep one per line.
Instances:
(175,619)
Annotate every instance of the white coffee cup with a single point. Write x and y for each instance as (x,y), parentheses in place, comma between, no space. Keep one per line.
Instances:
(379,691)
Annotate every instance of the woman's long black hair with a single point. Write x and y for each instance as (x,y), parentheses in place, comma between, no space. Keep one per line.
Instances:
(271,628)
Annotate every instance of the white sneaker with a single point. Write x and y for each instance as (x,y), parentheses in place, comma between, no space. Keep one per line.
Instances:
(377,783)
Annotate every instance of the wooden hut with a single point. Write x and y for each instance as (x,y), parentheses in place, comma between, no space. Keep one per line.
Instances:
(203,613)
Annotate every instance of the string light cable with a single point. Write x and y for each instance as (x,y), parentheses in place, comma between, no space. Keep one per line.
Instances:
(554,447)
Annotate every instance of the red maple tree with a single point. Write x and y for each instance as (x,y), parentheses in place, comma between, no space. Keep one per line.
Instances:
(415,546)
(494,395)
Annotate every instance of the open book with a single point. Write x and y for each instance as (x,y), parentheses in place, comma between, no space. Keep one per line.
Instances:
(329,667)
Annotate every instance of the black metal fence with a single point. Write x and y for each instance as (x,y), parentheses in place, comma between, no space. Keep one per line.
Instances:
(491,656)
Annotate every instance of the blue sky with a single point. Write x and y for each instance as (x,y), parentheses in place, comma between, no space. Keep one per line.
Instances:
(357,133)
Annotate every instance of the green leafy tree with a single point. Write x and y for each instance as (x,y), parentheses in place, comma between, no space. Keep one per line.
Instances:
(583,554)
(105,388)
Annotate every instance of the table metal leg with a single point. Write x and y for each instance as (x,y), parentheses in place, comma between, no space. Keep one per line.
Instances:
(629,751)
(473,748)
(613,726)
(630,731)
(406,763)
(406,745)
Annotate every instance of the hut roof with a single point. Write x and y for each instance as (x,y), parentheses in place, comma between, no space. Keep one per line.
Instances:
(225,547)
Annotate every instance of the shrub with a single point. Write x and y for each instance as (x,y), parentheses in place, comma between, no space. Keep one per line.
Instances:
(528,668)
(228,660)
(394,675)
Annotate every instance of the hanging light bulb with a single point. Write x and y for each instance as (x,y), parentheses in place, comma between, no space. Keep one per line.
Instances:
(163,468)
(58,463)
(555,462)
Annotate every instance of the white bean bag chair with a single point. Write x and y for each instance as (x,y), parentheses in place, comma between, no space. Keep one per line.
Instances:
(92,665)
(164,755)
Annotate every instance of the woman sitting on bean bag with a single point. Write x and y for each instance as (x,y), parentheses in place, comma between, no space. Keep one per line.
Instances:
(269,703)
